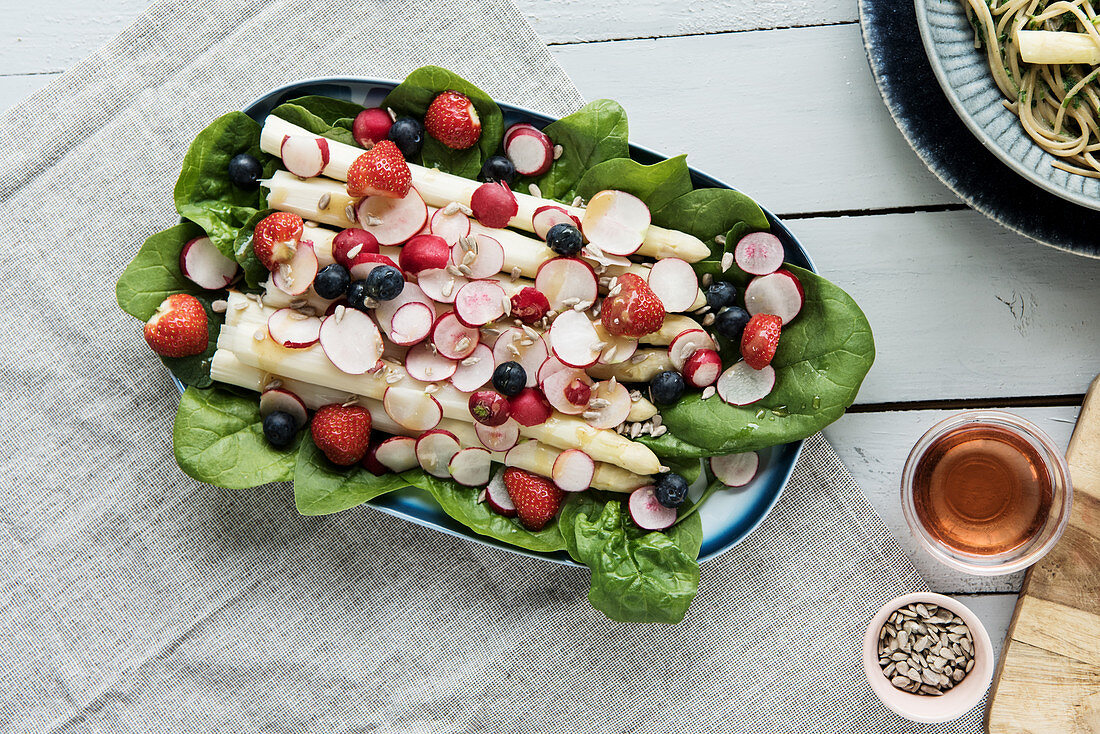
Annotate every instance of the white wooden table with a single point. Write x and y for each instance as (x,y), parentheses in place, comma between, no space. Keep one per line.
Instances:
(781,104)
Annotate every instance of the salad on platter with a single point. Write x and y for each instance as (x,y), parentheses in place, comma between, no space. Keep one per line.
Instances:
(537,331)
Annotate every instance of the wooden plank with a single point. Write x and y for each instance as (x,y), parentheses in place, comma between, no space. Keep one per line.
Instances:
(1065,631)
(1033,681)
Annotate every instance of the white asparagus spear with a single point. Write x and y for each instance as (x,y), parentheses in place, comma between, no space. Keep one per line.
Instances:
(642,367)
(1058,47)
(439,189)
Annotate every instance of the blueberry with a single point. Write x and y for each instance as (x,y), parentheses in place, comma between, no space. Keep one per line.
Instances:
(509,378)
(385,283)
(245,171)
(408,135)
(720,295)
(332,281)
(280,429)
(498,168)
(671,489)
(564,239)
(666,387)
(731,322)
(357,294)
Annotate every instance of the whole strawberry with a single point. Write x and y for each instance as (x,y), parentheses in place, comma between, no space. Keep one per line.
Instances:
(381,171)
(276,239)
(634,311)
(342,432)
(452,120)
(536,498)
(178,328)
(760,340)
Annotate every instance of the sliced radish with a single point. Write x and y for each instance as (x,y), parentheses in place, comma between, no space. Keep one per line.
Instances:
(702,368)
(546,217)
(530,407)
(618,349)
(295,277)
(530,150)
(565,278)
(487,260)
(779,294)
(471,466)
(569,391)
(647,513)
(293,329)
(616,222)
(411,324)
(397,453)
(496,495)
(424,252)
(617,408)
(452,338)
(493,204)
(574,340)
(351,240)
(282,400)
(303,155)
(549,366)
(411,408)
(479,302)
(439,285)
(684,344)
(365,262)
(759,253)
(400,218)
(573,471)
(411,293)
(434,451)
(735,470)
(351,341)
(742,385)
(450,226)
(498,438)
(474,371)
(513,129)
(530,356)
(203,264)
(427,365)
(674,282)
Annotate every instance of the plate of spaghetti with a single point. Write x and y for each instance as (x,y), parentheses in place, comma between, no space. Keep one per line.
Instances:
(1023,77)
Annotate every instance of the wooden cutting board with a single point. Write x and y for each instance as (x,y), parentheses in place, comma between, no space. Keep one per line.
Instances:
(1048,679)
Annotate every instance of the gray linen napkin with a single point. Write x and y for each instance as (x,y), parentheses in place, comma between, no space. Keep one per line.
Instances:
(136,600)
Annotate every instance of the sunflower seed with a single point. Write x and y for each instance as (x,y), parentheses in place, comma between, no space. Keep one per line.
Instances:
(259,335)
(590,415)
(557,152)
(635,396)
(464,269)
(969,665)
(720,240)
(889,669)
(240,305)
(323,202)
(392,114)
(660,431)
(506,304)
(373,221)
(657,420)
(598,403)
(635,430)
(930,690)
(453,270)
(272,384)
(434,387)
(901,666)
(535,191)
(707,279)
(526,342)
(958,675)
(353,252)
(513,350)
(462,344)
(448,288)
(727,261)
(582,306)
(903,639)
(615,291)
(899,681)
(639,358)
(469,257)
(578,201)
(219,306)
(392,377)
(708,319)
(516,272)
(708,392)
(349,213)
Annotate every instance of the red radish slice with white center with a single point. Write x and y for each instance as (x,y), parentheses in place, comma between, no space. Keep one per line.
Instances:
(401,218)
(574,340)
(530,356)
(284,401)
(471,466)
(742,385)
(439,285)
(411,293)
(618,349)
(474,371)
(204,265)
(295,277)
(498,438)
(616,222)
(351,341)
(411,324)
(450,226)
(413,409)
(452,338)
(434,451)
(674,282)
(684,344)
(702,368)
(565,278)
(618,405)
(549,366)
(360,271)
(647,513)
(497,497)
(530,150)
(573,471)
(735,470)
(487,261)
(479,302)
(424,364)
(779,293)
(759,253)
(569,391)
(303,155)
(397,453)
(546,217)
(512,130)
(293,329)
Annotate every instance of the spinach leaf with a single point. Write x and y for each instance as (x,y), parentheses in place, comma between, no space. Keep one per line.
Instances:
(329,109)
(204,194)
(589,504)
(412,97)
(254,271)
(593,134)
(322,488)
(657,185)
(316,124)
(219,439)
(689,469)
(707,213)
(461,504)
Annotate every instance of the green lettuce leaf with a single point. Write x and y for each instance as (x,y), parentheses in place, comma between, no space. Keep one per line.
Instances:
(593,134)
(298,113)
(657,185)
(322,488)
(707,213)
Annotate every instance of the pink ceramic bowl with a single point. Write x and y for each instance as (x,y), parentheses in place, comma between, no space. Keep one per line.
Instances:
(930,709)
